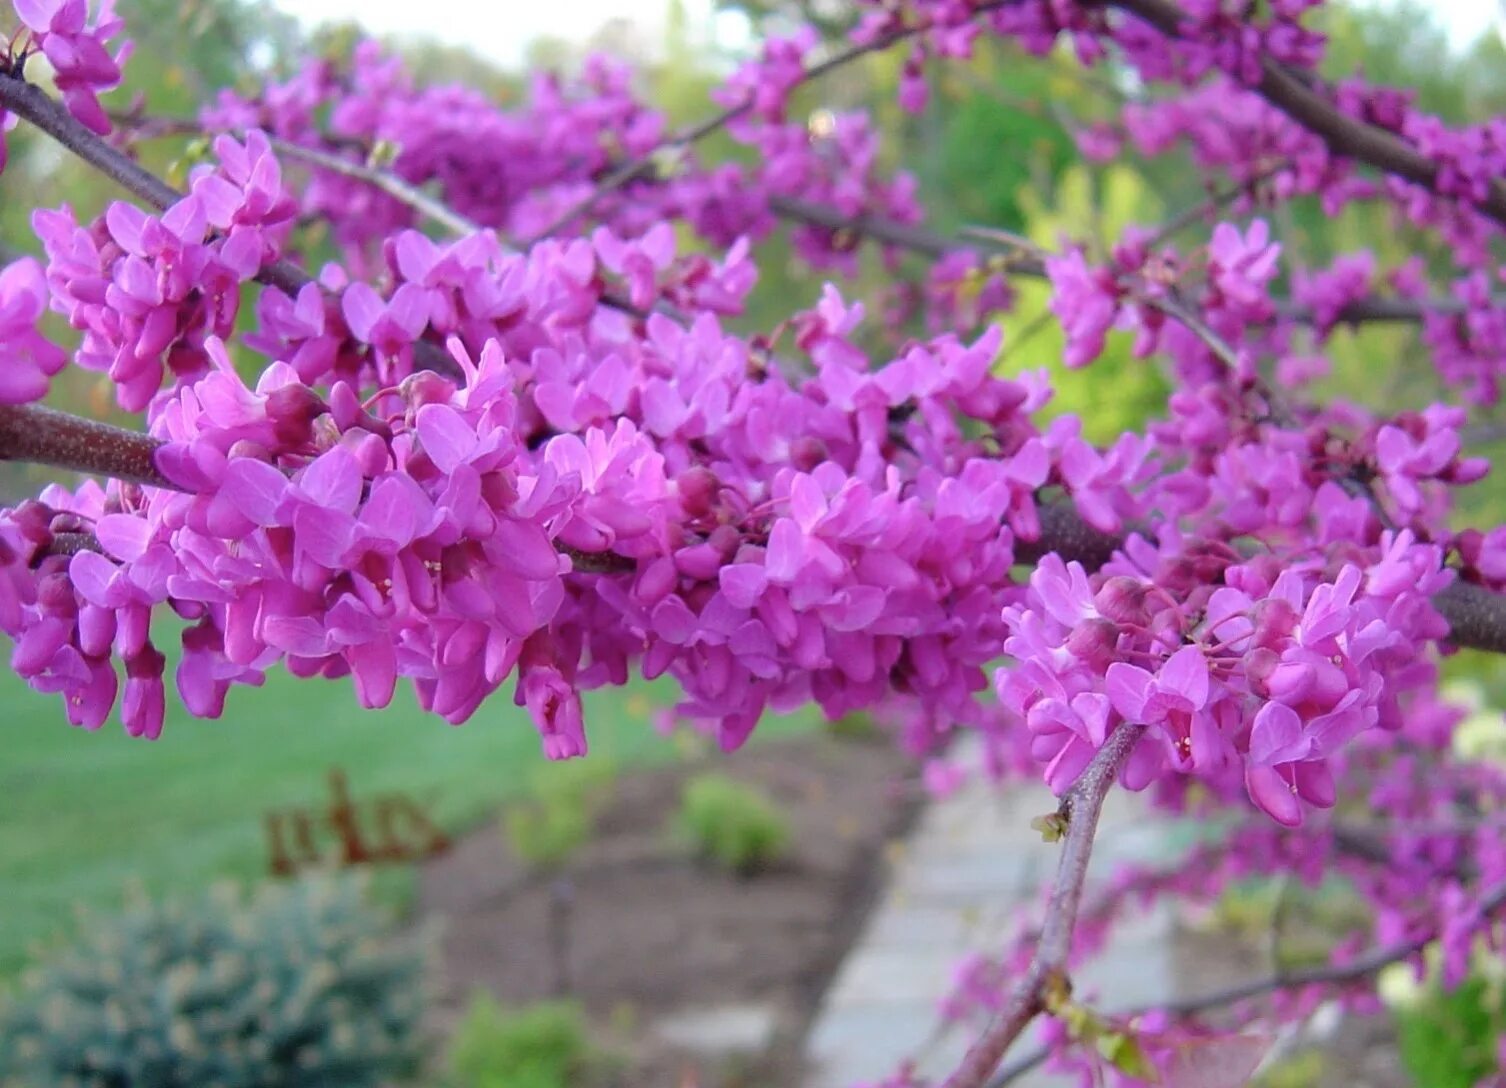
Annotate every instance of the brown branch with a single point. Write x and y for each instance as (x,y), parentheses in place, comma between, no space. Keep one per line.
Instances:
(1285,89)
(1476,617)
(1045,982)
(382,180)
(44,436)
(69,544)
(25,100)
(1025,261)
(1333,974)
(38,435)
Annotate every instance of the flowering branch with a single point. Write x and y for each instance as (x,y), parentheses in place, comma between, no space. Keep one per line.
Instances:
(1289,92)
(933,245)
(39,435)
(643,165)
(1045,985)
(28,101)
(1476,616)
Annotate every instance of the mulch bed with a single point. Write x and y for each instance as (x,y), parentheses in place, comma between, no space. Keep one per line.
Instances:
(652,932)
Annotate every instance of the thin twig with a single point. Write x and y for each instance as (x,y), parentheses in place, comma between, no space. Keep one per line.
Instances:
(1046,979)
(1332,974)
(643,164)
(1213,203)
(930,244)
(383,180)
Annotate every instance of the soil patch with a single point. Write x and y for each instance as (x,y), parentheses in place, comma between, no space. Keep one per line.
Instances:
(653,935)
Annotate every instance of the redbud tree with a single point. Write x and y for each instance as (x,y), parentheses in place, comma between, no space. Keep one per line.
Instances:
(507,442)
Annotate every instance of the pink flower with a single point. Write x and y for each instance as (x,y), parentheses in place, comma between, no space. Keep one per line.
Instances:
(29,358)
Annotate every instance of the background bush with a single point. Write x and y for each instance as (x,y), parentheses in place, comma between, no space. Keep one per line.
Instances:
(300,986)
(733,826)
(539,1046)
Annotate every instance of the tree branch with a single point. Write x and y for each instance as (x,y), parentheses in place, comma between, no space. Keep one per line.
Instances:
(1045,982)
(930,244)
(1285,89)
(1332,974)
(383,180)
(1476,617)
(44,436)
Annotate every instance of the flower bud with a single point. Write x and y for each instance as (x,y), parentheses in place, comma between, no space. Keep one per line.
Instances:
(55,595)
(698,490)
(426,387)
(1259,664)
(1274,620)
(1094,642)
(806,452)
(1121,599)
(291,409)
(725,539)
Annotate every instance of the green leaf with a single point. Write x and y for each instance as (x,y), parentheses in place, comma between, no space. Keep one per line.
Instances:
(1052,826)
(1124,1053)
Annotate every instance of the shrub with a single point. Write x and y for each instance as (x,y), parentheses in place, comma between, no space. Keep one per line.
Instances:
(538,1046)
(555,818)
(732,825)
(1447,1039)
(299,986)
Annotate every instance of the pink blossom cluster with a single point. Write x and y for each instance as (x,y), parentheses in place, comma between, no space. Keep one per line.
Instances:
(146,291)
(75,45)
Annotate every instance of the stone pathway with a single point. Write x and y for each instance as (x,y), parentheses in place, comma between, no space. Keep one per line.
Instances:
(958,885)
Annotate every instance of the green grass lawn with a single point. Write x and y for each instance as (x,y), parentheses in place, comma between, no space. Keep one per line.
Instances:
(84,814)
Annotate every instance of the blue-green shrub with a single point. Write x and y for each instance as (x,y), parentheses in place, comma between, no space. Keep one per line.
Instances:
(297,987)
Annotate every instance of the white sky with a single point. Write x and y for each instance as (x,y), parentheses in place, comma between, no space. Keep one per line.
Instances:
(501,29)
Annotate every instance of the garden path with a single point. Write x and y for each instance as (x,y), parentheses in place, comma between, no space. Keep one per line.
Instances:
(958,884)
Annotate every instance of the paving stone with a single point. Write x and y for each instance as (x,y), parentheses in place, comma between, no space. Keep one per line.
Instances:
(721,1030)
(865,1043)
(888,975)
(972,875)
(903,922)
